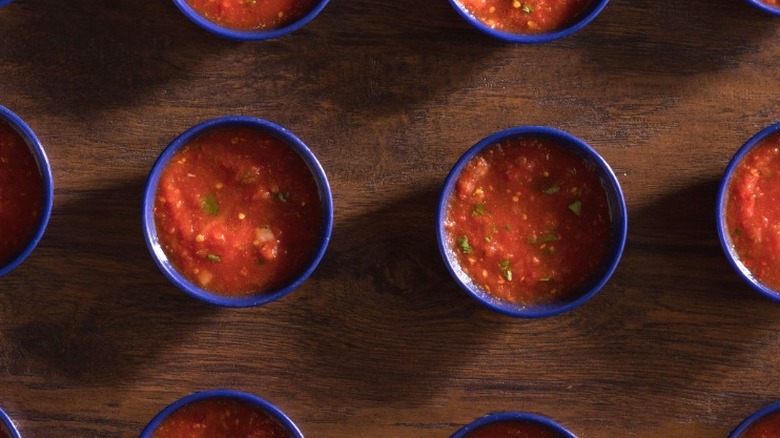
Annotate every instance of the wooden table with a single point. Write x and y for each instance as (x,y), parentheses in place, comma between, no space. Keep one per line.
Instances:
(380,342)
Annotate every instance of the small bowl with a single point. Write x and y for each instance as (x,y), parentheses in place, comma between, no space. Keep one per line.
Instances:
(248,35)
(754,418)
(593,10)
(773,10)
(262,297)
(8,426)
(720,211)
(275,413)
(48,185)
(513,416)
(617,210)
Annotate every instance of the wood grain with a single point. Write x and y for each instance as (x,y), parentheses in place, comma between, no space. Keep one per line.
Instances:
(380,342)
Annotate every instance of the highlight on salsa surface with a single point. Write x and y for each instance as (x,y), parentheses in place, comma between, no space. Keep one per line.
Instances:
(513,425)
(251,19)
(529,21)
(749,211)
(25,191)
(221,414)
(765,423)
(528,221)
(236,210)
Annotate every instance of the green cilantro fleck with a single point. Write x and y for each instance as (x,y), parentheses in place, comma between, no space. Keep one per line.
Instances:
(479,209)
(214,258)
(545,238)
(553,189)
(738,231)
(464,245)
(505,267)
(576,207)
(283,196)
(527,8)
(210,205)
(506,227)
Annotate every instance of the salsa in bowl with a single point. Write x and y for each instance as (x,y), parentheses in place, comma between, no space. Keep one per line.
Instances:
(748,212)
(531,222)
(26,191)
(513,425)
(224,413)
(237,211)
(764,423)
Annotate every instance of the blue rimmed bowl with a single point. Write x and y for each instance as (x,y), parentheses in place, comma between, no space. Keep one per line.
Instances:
(261,297)
(7,116)
(618,224)
(773,10)
(590,13)
(8,426)
(248,35)
(222,394)
(5,2)
(753,419)
(522,417)
(720,213)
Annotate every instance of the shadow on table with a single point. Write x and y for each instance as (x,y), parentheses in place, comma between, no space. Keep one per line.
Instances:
(677,38)
(107,310)
(684,323)
(390,324)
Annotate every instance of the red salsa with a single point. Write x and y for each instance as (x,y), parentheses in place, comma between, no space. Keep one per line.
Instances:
(237,211)
(528,221)
(753,211)
(4,433)
(252,14)
(21,193)
(220,418)
(514,429)
(775,3)
(526,16)
(766,427)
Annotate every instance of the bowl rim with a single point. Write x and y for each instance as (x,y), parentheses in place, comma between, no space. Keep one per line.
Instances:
(720,212)
(150,232)
(610,184)
(8,424)
(248,35)
(5,2)
(773,10)
(521,38)
(512,416)
(753,418)
(269,408)
(44,167)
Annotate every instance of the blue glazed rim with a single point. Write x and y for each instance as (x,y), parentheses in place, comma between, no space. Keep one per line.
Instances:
(8,425)
(252,399)
(720,212)
(513,416)
(5,2)
(150,232)
(749,421)
(593,11)
(44,168)
(618,215)
(247,35)
(765,7)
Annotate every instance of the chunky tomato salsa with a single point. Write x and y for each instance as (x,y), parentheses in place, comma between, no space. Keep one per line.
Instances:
(252,14)
(775,3)
(220,418)
(21,193)
(3,433)
(514,429)
(237,211)
(753,211)
(526,16)
(766,427)
(528,221)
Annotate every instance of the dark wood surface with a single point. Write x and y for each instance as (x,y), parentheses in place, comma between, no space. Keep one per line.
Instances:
(380,342)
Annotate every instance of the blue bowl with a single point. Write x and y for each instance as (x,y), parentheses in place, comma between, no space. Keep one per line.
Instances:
(720,211)
(4,2)
(248,35)
(243,397)
(753,419)
(150,232)
(765,7)
(8,425)
(48,185)
(513,416)
(617,206)
(590,13)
